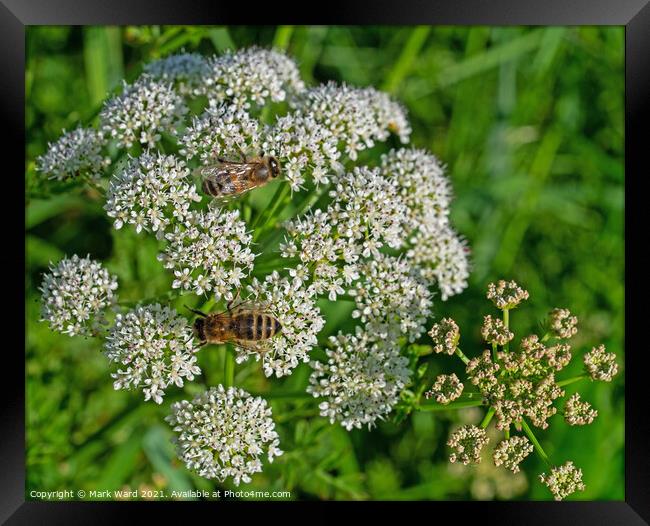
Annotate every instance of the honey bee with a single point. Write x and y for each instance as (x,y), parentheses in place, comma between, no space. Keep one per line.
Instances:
(248,328)
(230,178)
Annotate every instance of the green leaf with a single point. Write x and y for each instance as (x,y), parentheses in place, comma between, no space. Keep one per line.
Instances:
(160,452)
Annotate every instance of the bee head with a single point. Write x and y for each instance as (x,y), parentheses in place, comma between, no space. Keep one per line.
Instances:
(199,329)
(274,165)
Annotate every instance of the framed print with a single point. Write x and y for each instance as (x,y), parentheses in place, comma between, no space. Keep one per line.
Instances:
(377,259)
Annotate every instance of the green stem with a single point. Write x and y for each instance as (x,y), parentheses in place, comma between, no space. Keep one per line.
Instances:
(435,406)
(460,354)
(488,417)
(507,433)
(288,396)
(506,322)
(572,380)
(538,447)
(229,368)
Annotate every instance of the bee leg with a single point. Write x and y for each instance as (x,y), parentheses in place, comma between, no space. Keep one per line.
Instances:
(232,301)
(242,155)
(196,311)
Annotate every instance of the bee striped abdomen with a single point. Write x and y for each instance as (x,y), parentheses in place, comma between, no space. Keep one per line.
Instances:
(255,326)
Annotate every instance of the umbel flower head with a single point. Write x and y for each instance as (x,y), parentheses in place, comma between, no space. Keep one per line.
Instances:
(209,253)
(467,443)
(445,389)
(563,324)
(304,147)
(186,72)
(442,257)
(563,480)
(252,76)
(75,153)
(511,452)
(506,294)
(391,298)
(578,412)
(361,381)
(222,131)
(445,335)
(142,112)
(422,185)
(222,433)
(356,116)
(150,192)
(295,309)
(75,294)
(495,331)
(154,345)
(600,365)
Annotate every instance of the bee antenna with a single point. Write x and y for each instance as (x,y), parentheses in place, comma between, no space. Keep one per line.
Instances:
(196,311)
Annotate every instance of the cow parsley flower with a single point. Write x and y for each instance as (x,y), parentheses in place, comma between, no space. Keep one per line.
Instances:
(494,331)
(186,72)
(304,148)
(422,186)
(361,380)
(445,335)
(223,433)
(563,324)
(512,452)
(150,192)
(356,116)
(295,309)
(506,294)
(601,365)
(563,480)
(467,443)
(75,294)
(209,253)
(442,257)
(253,75)
(75,153)
(578,412)
(154,345)
(445,389)
(223,131)
(391,298)
(142,112)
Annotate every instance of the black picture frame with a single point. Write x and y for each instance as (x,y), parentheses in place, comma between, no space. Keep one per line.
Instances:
(633,14)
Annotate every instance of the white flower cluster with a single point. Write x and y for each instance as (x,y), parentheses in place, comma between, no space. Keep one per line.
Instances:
(422,185)
(253,75)
(209,253)
(222,131)
(186,71)
(445,389)
(295,309)
(563,480)
(600,365)
(435,247)
(365,215)
(222,434)
(361,381)
(75,153)
(356,116)
(142,112)
(391,298)
(154,344)
(75,294)
(150,192)
(512,452)
(467,443)
(304,147)
(577,412)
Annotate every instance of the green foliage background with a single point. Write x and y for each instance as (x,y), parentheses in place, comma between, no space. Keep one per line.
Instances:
(530,124)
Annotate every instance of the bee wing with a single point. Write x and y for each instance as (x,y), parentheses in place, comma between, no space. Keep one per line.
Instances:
(258,347)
